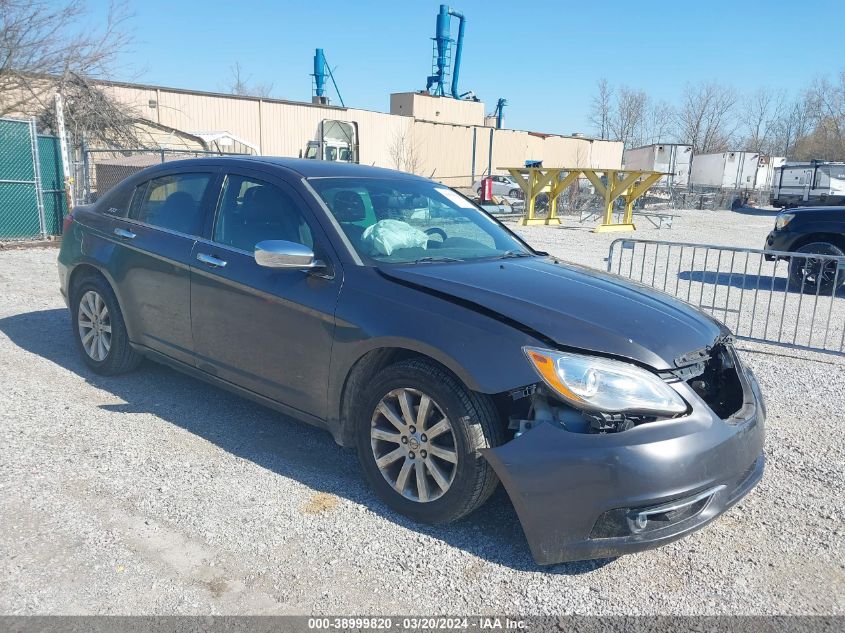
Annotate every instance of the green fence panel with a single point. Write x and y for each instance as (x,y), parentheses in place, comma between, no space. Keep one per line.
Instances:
(18,211)
(52,183)
(18,200)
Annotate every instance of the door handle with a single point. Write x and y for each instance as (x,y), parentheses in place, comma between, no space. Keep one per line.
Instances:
(127,235)
(211,260)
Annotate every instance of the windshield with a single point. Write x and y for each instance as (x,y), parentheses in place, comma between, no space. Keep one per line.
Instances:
(413,221)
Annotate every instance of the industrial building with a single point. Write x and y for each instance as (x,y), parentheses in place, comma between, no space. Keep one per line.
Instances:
(435,136)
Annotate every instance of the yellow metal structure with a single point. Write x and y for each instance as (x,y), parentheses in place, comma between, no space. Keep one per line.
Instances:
(610,184)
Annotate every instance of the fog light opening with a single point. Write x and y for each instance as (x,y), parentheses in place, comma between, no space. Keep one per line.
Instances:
(641,522)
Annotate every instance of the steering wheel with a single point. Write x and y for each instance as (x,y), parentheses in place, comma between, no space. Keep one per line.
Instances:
(436,231)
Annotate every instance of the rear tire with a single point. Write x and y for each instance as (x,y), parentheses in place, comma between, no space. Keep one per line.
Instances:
(456,479)
(813,275)
(99,329)
(514,193)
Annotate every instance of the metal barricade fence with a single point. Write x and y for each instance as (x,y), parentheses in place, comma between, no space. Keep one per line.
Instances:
(792,299)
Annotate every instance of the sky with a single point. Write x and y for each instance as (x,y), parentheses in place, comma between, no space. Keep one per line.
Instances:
(544,57)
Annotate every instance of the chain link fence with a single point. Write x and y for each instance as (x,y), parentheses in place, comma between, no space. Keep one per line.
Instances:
(101,169)
(32,193)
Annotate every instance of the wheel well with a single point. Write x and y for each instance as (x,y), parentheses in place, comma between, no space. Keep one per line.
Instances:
(832,238)
(362,371)
(365,368)
(80,272)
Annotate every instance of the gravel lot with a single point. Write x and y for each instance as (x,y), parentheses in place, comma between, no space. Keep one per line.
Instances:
(156,493)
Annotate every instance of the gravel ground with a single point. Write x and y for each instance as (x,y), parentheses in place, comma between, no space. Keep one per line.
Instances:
(156,493)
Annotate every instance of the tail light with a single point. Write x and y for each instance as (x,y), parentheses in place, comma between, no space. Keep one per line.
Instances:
(67,222)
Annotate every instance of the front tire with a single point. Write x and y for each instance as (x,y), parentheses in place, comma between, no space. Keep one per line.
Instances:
(99,329)
(814,275)
(418,434)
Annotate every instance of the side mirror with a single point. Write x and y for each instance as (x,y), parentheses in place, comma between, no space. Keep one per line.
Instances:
(282,254)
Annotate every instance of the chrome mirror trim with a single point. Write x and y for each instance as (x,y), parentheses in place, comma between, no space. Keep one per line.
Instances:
(284,254)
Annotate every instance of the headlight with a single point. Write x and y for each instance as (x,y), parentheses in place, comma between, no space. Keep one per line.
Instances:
(599,384)
(782,220)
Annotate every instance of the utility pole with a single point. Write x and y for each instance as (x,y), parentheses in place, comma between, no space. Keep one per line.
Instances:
(66,164)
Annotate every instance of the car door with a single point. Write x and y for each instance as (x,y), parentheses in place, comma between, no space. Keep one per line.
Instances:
(165,219)
(267,330)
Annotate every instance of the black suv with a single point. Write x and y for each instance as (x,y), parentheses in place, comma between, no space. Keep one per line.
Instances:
(817,231)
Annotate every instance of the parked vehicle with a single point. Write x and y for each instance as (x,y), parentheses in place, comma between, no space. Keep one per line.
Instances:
(336,141)
(812,184)
(502,186)
(812,231)
(395,313)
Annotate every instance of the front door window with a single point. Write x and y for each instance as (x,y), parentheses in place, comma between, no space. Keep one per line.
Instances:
(252,211)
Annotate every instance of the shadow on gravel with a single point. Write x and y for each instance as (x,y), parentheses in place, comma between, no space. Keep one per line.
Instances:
(283,445)
(764,283)
(755,211)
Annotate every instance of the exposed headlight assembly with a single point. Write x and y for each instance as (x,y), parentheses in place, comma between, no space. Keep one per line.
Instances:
(592,383)
(782,220)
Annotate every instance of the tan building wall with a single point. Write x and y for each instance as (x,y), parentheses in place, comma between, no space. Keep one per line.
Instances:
(439,150)
(437,109)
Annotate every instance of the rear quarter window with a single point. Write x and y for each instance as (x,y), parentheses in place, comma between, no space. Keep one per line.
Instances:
(116,202)
(172,202)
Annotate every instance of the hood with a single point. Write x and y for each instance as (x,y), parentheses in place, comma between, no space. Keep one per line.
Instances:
(575,307)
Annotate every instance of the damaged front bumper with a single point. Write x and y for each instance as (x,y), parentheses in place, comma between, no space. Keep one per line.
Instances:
(584,496)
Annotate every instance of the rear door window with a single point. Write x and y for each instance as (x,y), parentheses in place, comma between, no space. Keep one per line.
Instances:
(172,202)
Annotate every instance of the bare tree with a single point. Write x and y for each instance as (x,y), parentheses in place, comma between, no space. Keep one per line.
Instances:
(92,115)
(705,118)
(404,153)
(760,114)
(825,103)
(46,49)
(239,84)
(659,123)
(627,117)
(600,109)
(43,44)
(792,125)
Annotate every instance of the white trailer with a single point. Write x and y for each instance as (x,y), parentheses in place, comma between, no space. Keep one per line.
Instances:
(814,183)
(725,170)
(670,158)
(766,169)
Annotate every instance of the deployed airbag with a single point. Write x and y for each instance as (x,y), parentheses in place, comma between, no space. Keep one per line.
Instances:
(386,236)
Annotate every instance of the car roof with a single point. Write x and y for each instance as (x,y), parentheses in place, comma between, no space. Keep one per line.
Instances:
(307,168)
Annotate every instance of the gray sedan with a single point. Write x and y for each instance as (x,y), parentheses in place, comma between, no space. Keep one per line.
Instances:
(396,314)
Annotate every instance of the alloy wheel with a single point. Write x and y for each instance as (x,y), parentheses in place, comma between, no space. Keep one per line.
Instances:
(815,270)
(414,445)
(94,323)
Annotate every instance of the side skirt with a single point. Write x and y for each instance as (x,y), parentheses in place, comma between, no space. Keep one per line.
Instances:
(158,357)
